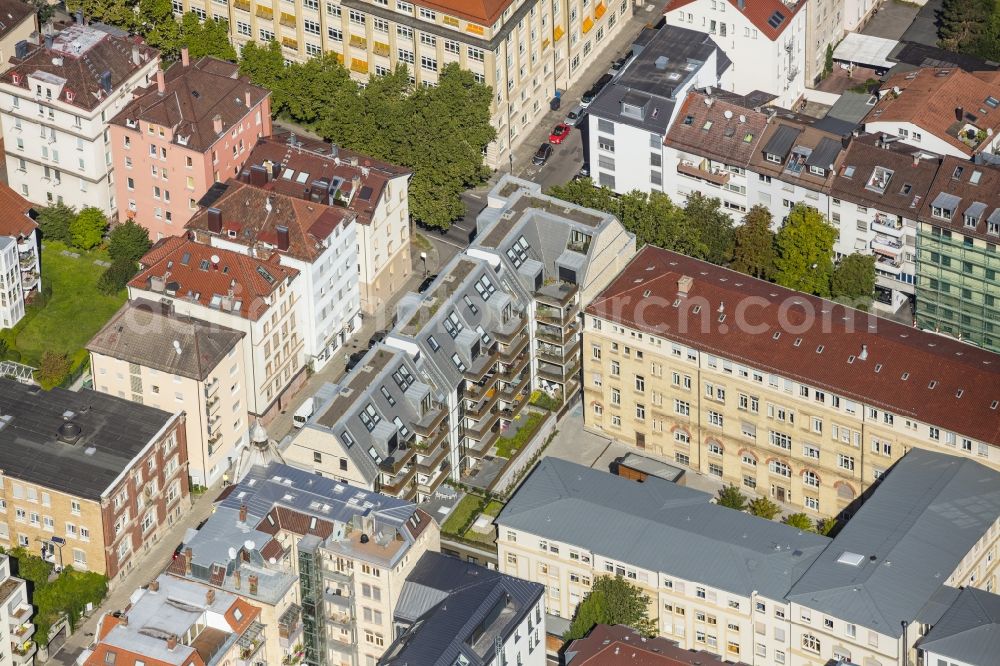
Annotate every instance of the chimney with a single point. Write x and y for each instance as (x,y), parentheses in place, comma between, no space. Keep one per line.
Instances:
(237,579)
(246,98)
(214,220)
(741,4)
(258,175)
(684,284)
(210,597)
(253,580)
(154,586)
(355,185)
(916,159)
(959,113)
(864,353)
(217,124)
(48,41)
(171,643)
(135,55)
(123,620)
(243,513)
(161,82)
(79,17)
(185,57)
(282,232)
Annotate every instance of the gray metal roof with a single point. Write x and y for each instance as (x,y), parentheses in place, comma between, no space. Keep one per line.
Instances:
(660,526)
(923,518)
(994,217)
(782,140)
(969,631)
(112,432)
(667,62)
(946,201)
(825,153)
(449,603)
(975,210)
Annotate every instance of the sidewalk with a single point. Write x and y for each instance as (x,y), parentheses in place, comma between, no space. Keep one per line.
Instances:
(156,560)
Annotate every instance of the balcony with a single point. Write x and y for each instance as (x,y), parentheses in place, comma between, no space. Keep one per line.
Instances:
(477,408)
(513,349)
(514,368)
(435,479)
(341,619)
(474,390)
(888,265)
(428,425)
(359,42)
(290,627)
(512,328)
(430,463)
(397,485)
(24,654)
(556,335)
(484,425)
(480,448)
(884,224)
(339,575)
(380,49)
(212,387)
(717,176)
(556,293)
(212,405)
(887,245)
(287,20)
(242,5)
(265,13)
(29,280)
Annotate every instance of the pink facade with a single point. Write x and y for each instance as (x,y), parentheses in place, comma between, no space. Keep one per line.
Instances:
(195,127)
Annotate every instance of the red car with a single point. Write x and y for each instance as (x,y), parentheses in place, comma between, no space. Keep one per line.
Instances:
(560,132)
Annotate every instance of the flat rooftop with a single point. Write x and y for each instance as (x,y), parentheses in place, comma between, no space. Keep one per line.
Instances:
(74,442)
(528,201)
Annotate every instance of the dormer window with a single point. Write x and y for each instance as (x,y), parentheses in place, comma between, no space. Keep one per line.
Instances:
(970,222)
(771,157)
(817,171)
(941,213)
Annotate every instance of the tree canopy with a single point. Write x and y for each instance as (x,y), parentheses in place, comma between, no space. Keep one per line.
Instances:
(87,230)
(612,600)
(805,251)
(800,521)
(754,250)
(764,508)
(128,241)
(971,27)
(54,222)
(731,496)
(853,280)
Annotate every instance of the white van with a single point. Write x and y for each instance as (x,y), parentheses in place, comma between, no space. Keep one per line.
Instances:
(303,413)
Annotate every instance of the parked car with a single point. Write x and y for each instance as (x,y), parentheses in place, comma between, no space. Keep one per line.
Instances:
(354,359)
(542,155)
(376,338)
(621,62)
(574,115)
(588,97)
(426,283)
(302,414)
(559,133)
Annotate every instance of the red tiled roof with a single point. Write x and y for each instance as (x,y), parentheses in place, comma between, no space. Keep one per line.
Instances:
(14,220)
(247,220)
(757,12)
(726,139)
(948,384)
(623,646)
(282,518)
(929,98)
(80,55)
(186,269)
(321,160)
(955,176)
(272,548)
(249,614)
(15,12)
(193,96)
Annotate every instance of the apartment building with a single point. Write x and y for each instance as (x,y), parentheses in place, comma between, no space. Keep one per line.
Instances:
(58,98)
(452,610)
(197,123)
(375,191)
(630,117)
(524,50)
(963,636)
(946,111)
(175,622)
(250,294)
(149,354)
(857,13)
(16,626)
(251,215)
(824,29)
(457,370)
(958,289)
(21,25)
(784,394)
(709,148)
(706,569)
(765,40)
(745,588)
(90,480)
(607,645)
(326,562)
(20,256)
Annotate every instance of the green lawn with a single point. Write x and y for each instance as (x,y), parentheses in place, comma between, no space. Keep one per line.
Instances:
(508,446)
(75,310)
(461,514)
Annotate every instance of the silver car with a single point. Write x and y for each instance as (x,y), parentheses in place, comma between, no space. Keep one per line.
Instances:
(573,117)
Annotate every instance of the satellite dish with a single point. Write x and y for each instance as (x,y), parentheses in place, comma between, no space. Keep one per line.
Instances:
(215,258)
(248,544)
(728,114)
(232,553)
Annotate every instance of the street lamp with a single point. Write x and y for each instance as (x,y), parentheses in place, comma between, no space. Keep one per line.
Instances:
(423,258)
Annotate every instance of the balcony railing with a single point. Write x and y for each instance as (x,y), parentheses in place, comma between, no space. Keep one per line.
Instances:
(717,177)
(887,225)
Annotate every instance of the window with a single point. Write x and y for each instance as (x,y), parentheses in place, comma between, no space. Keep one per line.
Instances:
(846,462)
(780,468)
(810,643)
(428,63)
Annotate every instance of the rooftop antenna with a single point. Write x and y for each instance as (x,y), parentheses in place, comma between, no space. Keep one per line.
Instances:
(177,346)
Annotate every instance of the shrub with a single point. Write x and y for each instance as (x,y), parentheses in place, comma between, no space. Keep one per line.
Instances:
(87,230)
(116,276)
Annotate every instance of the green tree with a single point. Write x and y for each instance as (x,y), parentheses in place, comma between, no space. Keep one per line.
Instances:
(206,38)
(828,61)
(764,508)
(128,241)
(825,525)
(612,600)
(43,10)
(55,220)
(799,521)
(754,253)
(584,192)
(853,280)
(714,226)
(119,13)
(116,276)
(970,26)
(805,251)
(159,27)
(324,91)
(731,497)
(265,66)
(53,370)
(87,230)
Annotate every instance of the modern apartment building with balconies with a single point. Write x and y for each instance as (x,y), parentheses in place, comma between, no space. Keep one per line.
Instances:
(57,100)
(325,561)
(787,395)
(524,50)
(20,256)
(16,626)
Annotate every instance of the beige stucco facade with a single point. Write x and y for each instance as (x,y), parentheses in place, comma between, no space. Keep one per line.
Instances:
(215,407)
(384,261)
(807,448)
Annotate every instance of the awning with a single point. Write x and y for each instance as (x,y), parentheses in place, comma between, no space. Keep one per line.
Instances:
(558,33)
(599,10)
(588,23)
(865,50)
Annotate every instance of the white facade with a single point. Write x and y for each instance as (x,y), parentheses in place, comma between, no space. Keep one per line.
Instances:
(327,290)
(914,135)
(824,27)
(57,150)
(857,12)
(759,63)
(16,627)
(20,273)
